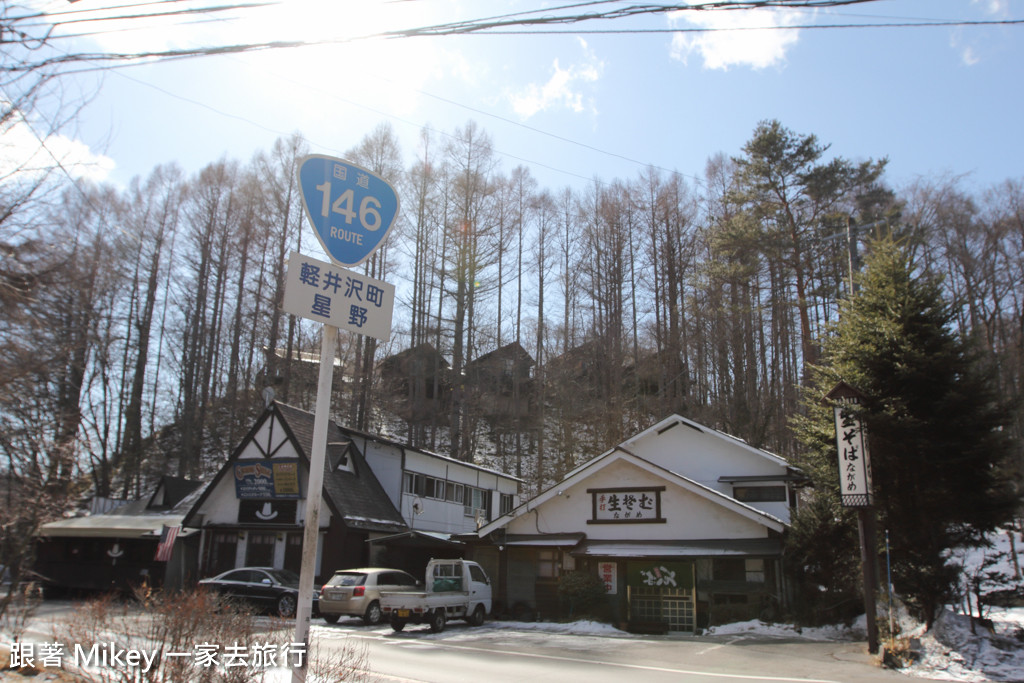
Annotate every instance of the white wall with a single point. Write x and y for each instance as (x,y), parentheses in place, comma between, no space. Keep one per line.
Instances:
(438,515)
(386,462)
(704,457)
(688,515)
(221,505)
(444,516)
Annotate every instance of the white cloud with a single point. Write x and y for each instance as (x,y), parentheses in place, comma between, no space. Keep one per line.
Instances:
(998,7)
(721,48)
(562,90)
(25,154)
(969,57)
(971,47)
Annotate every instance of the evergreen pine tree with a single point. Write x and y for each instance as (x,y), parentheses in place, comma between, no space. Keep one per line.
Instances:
(935,433)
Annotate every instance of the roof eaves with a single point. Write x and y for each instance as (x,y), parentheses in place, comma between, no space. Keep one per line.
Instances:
(398,444)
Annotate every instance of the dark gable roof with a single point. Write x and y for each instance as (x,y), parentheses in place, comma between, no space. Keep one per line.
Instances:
(513,351)
(172,494)
(171,491)
(424,351)
(358,498)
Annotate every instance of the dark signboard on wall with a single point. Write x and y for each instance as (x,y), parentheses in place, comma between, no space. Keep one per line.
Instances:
(263,479)
(267,511)
(651,574)
(630,505)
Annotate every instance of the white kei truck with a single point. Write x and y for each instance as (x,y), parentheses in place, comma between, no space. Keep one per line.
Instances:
(455,589)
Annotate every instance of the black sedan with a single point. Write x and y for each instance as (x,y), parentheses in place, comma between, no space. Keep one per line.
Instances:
(265,588)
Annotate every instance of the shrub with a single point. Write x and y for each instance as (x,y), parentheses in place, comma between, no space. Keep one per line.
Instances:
(583,593)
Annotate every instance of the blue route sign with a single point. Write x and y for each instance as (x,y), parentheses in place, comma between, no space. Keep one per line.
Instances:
(351,209)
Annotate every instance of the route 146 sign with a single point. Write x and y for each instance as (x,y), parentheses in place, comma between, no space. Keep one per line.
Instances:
(351,209)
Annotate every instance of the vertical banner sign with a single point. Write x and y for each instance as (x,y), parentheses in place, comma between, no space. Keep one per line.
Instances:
(854,464)
(351,209)
(609,574)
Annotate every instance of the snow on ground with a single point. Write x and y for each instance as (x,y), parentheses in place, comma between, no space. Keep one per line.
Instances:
(951,651)
(822,633)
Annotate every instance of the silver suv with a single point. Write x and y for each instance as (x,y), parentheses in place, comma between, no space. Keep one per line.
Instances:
(356,592)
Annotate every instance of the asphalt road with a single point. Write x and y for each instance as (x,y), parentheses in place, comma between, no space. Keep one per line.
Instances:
(501,652)
(497,653)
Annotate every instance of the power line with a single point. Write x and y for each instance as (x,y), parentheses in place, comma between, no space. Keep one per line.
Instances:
(612,31)
(482,26)
(187,53)
(54,19)
(70,57)
(618,13)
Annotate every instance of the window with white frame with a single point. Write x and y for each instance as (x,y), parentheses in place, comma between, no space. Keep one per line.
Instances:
(423,486)
(455,493)
(477,500)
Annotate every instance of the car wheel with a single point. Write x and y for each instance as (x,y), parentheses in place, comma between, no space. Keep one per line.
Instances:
(372,615)
(478,616)
(331,618)
(286,605)
(397,624)
(437,620)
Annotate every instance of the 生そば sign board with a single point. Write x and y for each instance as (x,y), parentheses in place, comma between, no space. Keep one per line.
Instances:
(351,209)
(854,463)
(851,446)
(330,294)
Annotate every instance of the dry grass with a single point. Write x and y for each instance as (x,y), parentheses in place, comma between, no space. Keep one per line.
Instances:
(183,623)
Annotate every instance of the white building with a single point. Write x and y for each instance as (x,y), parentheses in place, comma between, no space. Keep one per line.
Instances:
(253,512)
(683,523)
(433,492)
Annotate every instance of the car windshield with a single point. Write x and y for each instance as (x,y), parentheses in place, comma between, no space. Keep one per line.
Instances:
(347,579)
(285,577)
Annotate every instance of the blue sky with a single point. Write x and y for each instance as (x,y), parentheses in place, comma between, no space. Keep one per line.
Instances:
(939,100)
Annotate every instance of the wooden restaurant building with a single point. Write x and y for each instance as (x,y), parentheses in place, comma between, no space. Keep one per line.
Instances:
(682,523)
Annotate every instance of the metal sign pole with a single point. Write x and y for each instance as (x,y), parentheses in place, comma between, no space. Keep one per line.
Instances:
(352,211)
(314,495)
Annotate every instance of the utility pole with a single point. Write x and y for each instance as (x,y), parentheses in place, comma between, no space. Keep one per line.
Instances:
(852,235)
